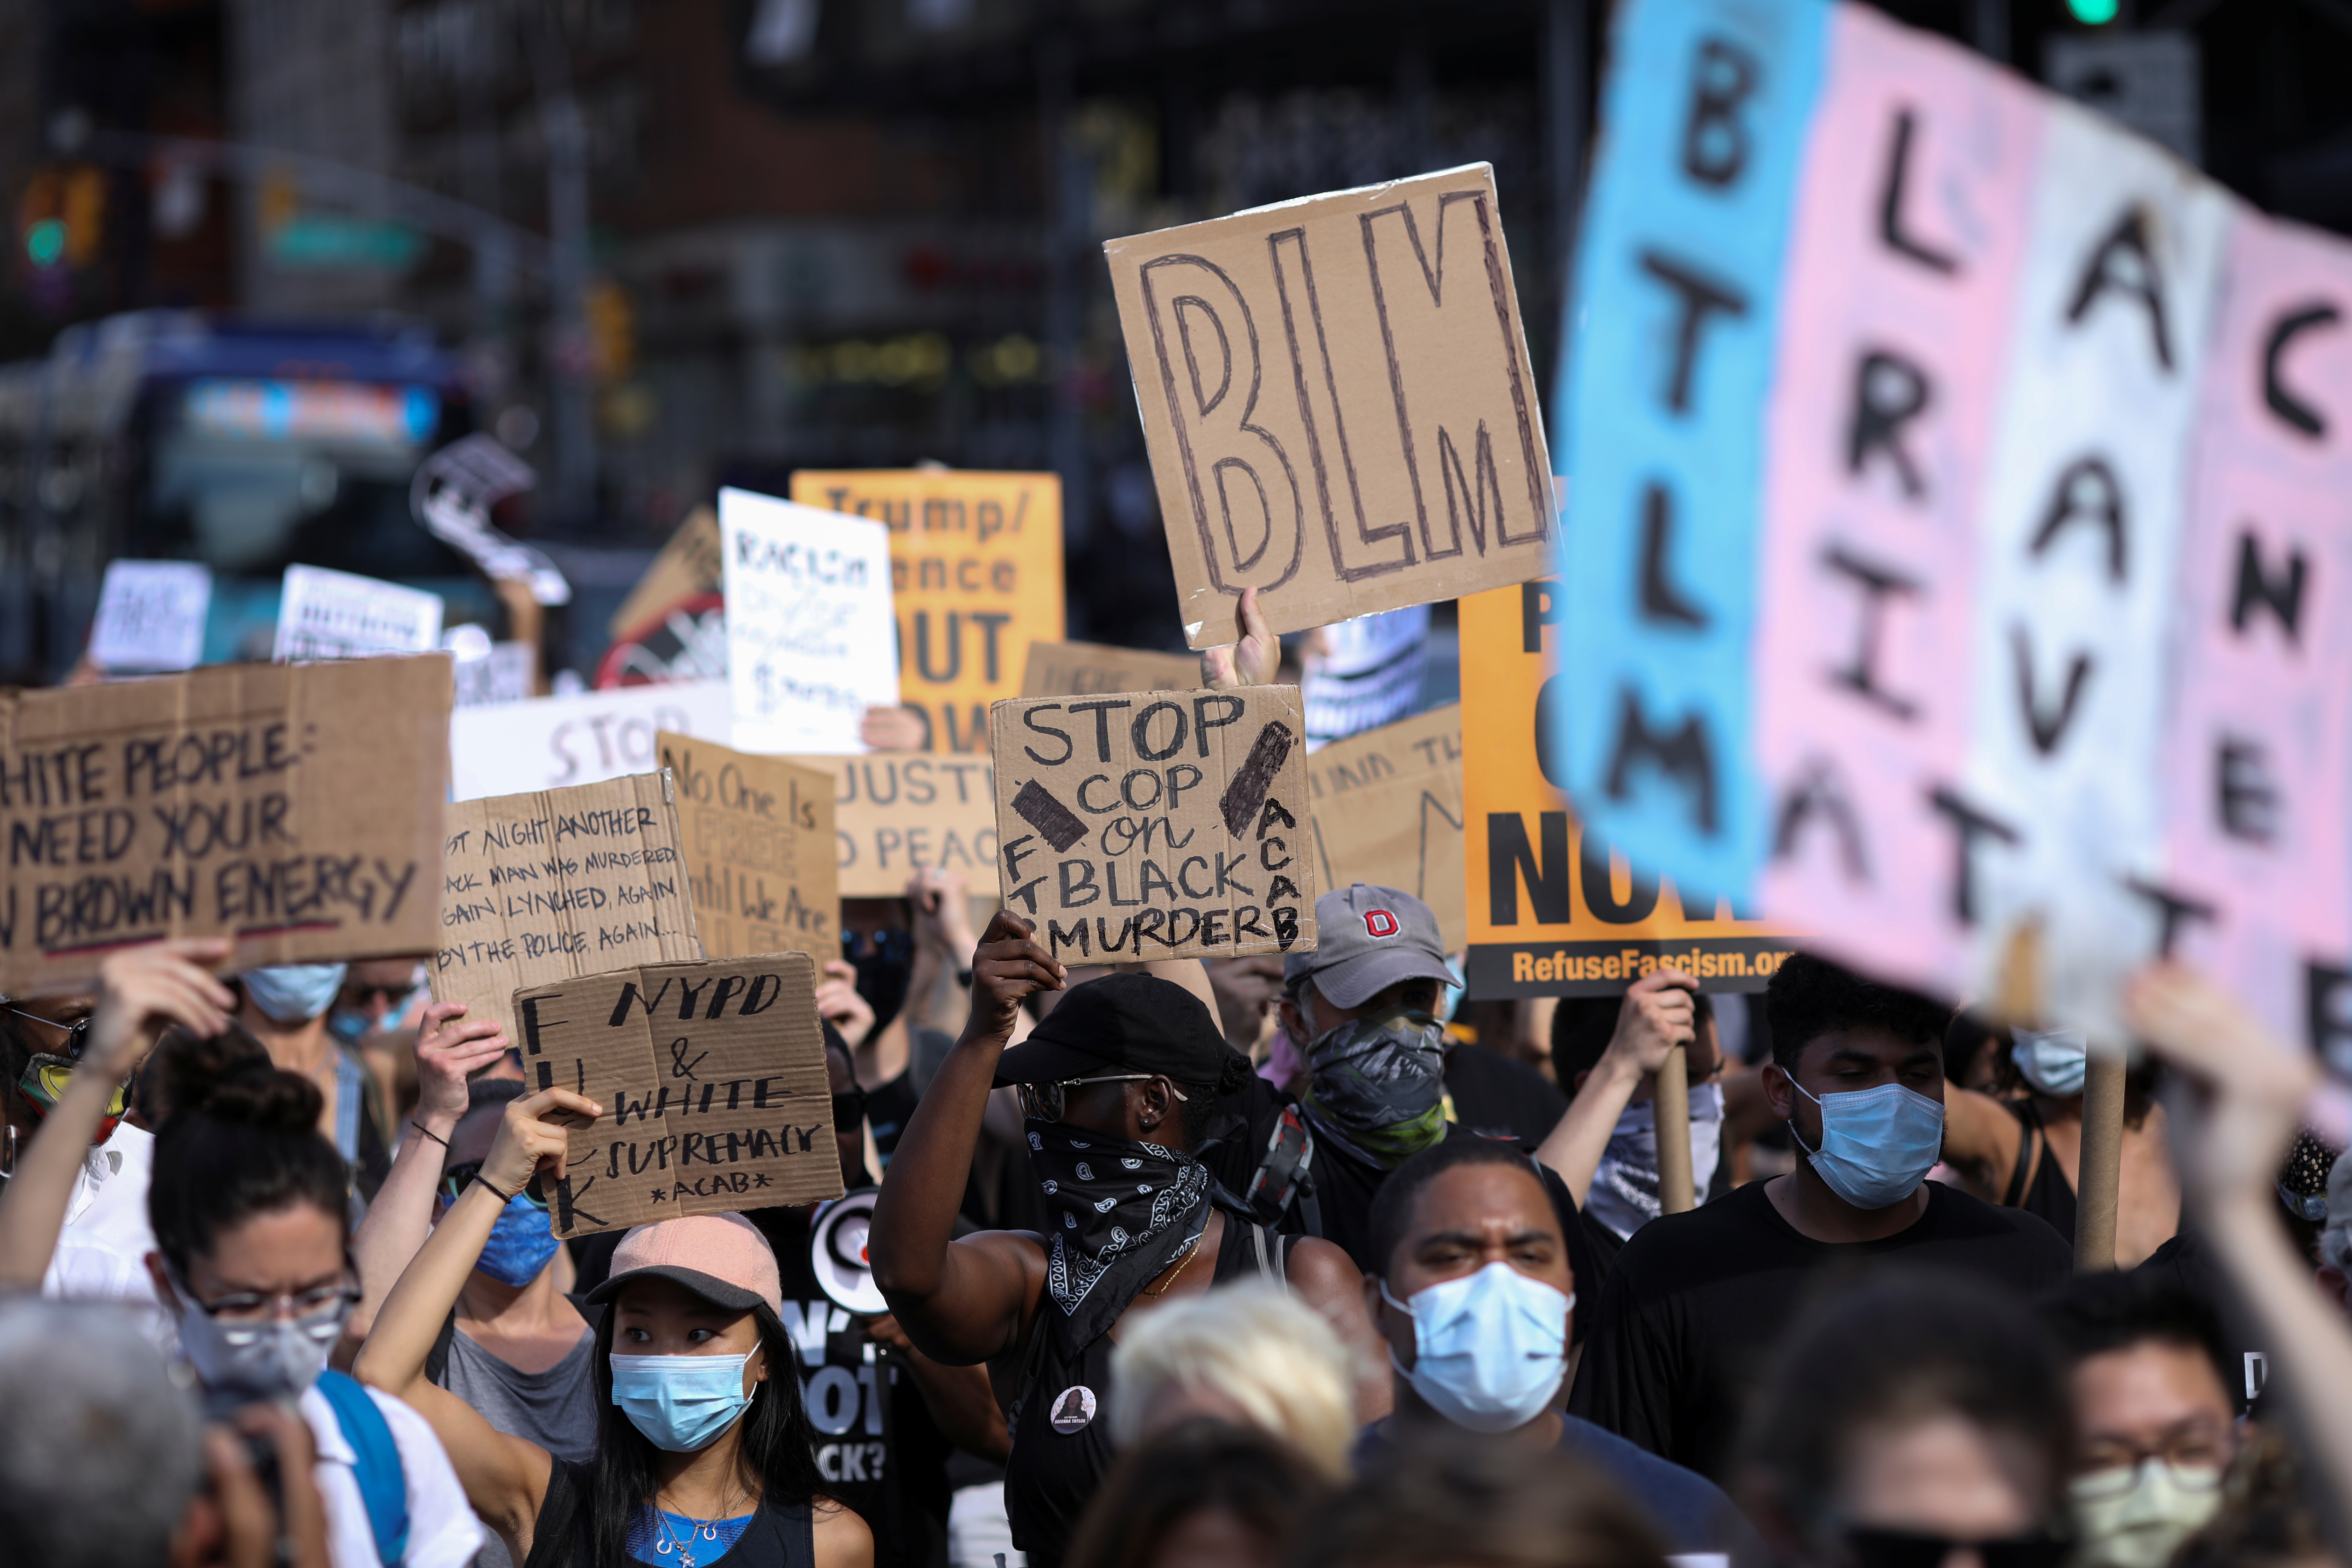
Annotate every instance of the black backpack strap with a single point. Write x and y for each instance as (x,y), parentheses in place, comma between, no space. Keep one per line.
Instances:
(2029,1128)
(1282,1172)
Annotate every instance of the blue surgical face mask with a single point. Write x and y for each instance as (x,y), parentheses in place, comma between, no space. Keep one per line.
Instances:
(1877,1144)
(292,993)
(520,1244)
(1489,1349)
(2051,1060)
(682,1403)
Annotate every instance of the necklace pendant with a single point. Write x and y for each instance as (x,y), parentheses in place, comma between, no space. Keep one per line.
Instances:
(664,1547)
(708,1532)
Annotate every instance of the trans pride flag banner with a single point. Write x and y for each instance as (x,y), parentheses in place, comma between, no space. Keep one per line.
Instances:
(1959,526)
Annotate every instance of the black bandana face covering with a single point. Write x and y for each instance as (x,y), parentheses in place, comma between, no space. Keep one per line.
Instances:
(1119,1213)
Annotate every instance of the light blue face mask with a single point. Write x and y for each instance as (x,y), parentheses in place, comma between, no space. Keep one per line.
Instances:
(1489,1349)
(1877,1144)
(2051,1060)
(681,1402)
(520,1244)
(291,993)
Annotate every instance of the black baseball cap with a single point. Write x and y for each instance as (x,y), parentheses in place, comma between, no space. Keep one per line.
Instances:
(1138,1023)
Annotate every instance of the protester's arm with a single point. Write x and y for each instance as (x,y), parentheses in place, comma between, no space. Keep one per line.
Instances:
(942,908)
(401,1217)
(1324,1276)
(960,1302)
(2250,1092)
(505,1477)
(141,991)
(892,729)
(1981,1139)
(960,1399)
(1656,1016)
(1253,661)
(838,1002)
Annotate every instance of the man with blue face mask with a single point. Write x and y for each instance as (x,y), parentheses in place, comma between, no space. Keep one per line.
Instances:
(1694,1305)
(1475,1294)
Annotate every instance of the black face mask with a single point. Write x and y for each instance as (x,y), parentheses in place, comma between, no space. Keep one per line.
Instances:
(883,972)
(1119,1213)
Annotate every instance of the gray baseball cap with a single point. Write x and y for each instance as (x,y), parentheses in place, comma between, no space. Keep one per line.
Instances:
(1370,938)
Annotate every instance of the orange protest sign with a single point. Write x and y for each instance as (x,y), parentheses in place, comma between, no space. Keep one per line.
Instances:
(975,575)
(1551,912)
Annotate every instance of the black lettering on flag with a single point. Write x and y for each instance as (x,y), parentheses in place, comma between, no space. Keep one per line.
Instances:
(2282,400)
(1715,143)
(1683,754)
(2282,595)
(1890,201)
(1819,793)
(1889,391)
(1973,827)
(1661,600)
(1699,296)
(2047,728)
(2125,263)
(1878,584)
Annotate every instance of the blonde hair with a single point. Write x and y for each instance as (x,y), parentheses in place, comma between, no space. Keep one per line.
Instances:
(1255,1345)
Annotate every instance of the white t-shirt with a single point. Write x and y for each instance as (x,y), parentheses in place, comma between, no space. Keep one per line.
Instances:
(101,1254)
(442,1530)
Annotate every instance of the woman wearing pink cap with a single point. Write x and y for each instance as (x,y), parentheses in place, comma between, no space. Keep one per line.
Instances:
(705,1457)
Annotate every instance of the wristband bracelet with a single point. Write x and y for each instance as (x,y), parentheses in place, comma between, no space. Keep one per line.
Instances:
(964,979)
(485,1181)
(430,1134)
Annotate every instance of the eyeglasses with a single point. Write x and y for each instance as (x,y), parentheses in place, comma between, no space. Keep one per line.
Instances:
(1047,1101)
(848,1108)
(1902,1548)
(48,1076)
(310,1309)
(458,1177)
(77,1032)
(2196,1460)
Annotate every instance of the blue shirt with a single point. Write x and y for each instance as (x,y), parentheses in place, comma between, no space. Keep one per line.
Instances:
(647,1538)
(1690,1512)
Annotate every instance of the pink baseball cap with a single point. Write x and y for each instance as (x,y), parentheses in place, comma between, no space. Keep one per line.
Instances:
(721,1258)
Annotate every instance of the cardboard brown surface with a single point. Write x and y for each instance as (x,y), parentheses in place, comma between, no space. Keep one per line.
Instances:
(297,808)
(1077,668)
(1338,404)
(975,576)
(540,886)
(1157,825)
(689,565)
(713,1083)
(896,811)
(757,834)
(1387,809)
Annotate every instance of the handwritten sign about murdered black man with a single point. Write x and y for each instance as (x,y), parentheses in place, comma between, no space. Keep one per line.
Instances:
(1963,522)
(713,1083)
(1157,823)
(1388,810)
(975,576)
(1338,402)
(559,882)
(758,838)
(1081,668)
(298,810)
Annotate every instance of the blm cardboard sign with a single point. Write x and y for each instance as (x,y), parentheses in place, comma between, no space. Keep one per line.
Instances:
(1157,825)
(1339,405)
(1388,810)
(758,838)
(713,1083)
(1080,669)
(298,810)
(559,882)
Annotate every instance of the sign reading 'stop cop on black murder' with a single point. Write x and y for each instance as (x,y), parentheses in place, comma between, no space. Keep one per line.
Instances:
(1156,824)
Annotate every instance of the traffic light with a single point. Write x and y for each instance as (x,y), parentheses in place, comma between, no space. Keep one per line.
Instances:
(61,215)
(2093,12)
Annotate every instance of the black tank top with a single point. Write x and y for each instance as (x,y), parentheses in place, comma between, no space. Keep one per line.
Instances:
(782,1535)
(2050,1195)
(1061,1414)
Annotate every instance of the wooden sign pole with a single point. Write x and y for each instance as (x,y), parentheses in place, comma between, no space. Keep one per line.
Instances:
(2100,1172)
(1670,1104)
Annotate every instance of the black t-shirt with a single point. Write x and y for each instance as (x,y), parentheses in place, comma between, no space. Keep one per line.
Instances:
(1687,1322)
(1493,1093)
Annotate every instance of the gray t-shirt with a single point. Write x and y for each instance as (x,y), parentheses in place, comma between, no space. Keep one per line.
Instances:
(555,1409)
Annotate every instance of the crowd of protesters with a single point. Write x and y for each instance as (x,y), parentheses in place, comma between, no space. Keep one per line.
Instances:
(1251,1261)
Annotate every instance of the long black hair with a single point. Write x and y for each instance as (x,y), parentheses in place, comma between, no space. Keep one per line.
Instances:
(239,1138)
(777,1458)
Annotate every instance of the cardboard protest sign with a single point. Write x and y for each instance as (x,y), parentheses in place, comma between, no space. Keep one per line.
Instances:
(151,617)
(687,566)
(1388,810)
(1078,669)
(559,882)
(759,844)
(1157,825)
(340,615)
(298,810)
(1961,522)
(550,742)
(975,576)
(809,642)
(1553,910)
(713,1083)
(894,811)
(1335,413)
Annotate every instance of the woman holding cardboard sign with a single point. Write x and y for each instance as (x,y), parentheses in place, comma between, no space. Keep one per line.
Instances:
(1121,1084)
(706,1454)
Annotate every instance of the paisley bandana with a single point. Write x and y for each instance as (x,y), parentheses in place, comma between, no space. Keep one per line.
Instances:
(1377,1084)
(1119,1212)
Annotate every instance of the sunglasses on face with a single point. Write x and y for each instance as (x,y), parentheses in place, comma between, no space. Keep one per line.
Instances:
(48,1076)
(890,942)
(1047,1101)
(457,1178)
(1902,1548)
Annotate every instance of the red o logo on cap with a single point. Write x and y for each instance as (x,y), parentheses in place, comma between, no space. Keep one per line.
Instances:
(1379,922)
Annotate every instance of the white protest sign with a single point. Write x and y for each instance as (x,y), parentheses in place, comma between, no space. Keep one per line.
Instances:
(500,673)
(151,617)
(340,615)
(510,748)
(810,643)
